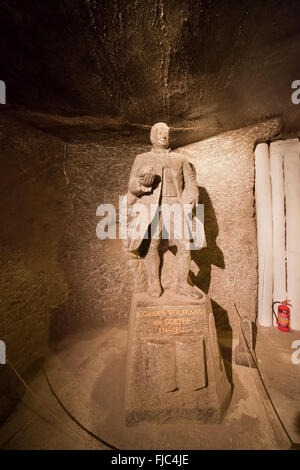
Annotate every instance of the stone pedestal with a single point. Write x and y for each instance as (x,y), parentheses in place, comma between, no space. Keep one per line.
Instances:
(174,366)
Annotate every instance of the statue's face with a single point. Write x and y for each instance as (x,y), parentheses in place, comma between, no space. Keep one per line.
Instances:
(162,136)
(159,135)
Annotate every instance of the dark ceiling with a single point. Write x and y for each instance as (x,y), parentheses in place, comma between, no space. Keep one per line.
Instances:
(217,63)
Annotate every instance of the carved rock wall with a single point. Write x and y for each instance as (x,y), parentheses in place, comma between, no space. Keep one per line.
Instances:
(224,65)
(32,281)
(227,268)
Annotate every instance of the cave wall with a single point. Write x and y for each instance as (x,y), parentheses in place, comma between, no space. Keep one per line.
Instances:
(221,63)
(32,282)
(227,268)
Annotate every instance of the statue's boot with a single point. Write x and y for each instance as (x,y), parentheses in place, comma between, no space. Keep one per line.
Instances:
(183,267)
(152,262)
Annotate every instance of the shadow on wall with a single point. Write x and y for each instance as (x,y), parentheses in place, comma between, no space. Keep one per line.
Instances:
(205,259)
(211,254)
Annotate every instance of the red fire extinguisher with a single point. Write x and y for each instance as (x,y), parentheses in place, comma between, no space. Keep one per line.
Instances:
(283,315)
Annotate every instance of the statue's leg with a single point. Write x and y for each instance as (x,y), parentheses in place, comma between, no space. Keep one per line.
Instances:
(136,268)
(152,261)
(183,257)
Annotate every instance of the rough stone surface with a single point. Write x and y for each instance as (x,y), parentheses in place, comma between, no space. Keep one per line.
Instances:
(32,281)
(205,62)
(174,366)
(227,267)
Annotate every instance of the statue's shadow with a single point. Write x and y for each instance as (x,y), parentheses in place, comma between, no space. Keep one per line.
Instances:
(209,256)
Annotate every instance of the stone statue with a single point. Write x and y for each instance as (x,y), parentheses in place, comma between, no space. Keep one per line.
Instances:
(172,339)
(162,178)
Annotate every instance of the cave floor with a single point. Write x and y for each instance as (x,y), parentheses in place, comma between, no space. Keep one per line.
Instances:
(87,371)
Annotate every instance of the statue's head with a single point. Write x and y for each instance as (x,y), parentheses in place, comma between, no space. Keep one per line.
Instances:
(159,135)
